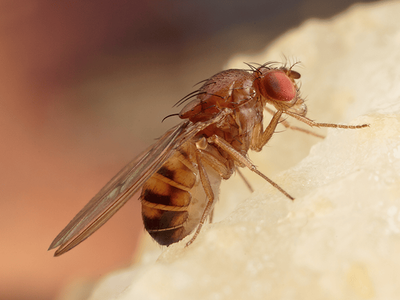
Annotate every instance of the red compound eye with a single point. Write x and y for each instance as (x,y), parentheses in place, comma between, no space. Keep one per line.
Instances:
(278,86)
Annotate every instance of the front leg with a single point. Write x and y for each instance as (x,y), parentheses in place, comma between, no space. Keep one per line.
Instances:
(289,126)
(260,137)
(315,124)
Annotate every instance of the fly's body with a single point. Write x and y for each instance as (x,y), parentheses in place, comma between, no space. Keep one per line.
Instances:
(174,198)
(180,175)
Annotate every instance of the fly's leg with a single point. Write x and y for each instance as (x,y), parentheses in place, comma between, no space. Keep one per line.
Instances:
(221,143)
(204,157)
(245,180)
(289,126)
(260,137)
(210,196)
(211,217)
(315,124)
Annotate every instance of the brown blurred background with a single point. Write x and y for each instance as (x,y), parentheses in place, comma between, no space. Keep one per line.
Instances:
(83,88)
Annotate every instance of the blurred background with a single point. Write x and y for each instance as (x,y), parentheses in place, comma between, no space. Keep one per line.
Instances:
(84,86)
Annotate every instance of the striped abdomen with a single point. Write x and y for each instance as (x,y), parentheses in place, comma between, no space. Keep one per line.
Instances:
(173,199)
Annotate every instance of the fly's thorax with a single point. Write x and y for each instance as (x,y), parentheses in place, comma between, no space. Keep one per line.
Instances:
(247,115)
(236,128)
(227,89)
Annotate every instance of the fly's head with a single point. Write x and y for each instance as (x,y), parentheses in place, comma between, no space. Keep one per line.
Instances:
(278,87)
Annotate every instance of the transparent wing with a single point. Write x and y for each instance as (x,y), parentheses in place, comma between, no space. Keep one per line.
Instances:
(117,191)
(125,184)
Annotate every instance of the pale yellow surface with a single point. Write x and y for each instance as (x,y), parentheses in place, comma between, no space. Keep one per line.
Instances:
(340,238)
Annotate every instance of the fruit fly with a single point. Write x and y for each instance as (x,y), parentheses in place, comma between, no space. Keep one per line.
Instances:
(181,173)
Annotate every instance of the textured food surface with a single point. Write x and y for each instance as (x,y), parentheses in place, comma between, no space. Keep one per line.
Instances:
(340,238)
